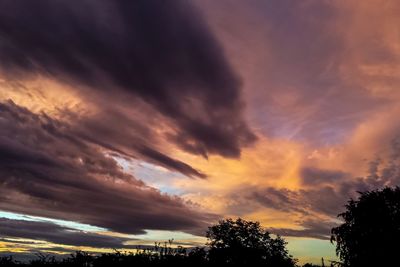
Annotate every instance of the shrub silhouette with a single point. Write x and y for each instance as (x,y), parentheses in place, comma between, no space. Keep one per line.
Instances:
(370,233)
(8,261)
(231,243)
(369,236)
(242,242)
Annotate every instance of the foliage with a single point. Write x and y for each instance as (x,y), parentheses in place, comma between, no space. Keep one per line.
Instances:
(239,243)
(370,233)
(242,242)
(369,236)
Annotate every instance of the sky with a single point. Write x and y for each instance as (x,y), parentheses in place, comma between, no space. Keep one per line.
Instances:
(123,123)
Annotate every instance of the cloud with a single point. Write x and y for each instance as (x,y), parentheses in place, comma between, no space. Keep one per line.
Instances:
(118,134)
(155,53)
(298,62)
(48,171)
(328,198)
(320,84)
(54,233)
(170,163)
(314,176)
(313,228)
(273,198)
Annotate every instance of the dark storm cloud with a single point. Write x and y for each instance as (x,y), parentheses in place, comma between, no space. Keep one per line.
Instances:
(115,132)
(47,171)
(169,162)
(57,234)
(159,52)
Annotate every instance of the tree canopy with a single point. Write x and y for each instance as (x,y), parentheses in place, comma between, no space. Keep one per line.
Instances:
(241,242)
(370,233)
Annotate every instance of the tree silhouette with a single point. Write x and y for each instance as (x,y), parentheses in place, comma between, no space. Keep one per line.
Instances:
(242,242)
(370,233)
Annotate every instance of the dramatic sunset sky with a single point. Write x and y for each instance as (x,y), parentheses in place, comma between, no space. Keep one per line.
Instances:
(128,122)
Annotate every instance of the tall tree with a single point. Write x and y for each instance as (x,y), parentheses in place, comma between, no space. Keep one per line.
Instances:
(370,234)
(240,242)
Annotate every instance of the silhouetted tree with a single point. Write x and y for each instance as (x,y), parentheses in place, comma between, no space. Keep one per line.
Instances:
(231,243)
(370,234)
(8,261)
(242,242)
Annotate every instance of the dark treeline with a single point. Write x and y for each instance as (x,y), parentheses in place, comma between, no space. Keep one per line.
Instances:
(231,243)
(368,237)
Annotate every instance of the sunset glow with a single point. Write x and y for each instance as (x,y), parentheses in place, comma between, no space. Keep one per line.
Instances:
(124,123)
